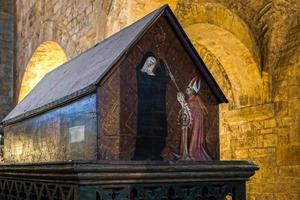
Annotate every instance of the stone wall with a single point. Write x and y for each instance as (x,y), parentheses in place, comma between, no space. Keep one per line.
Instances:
(260,123)
(6,56)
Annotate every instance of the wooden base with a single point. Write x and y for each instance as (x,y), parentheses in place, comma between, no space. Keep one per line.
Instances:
(84,180)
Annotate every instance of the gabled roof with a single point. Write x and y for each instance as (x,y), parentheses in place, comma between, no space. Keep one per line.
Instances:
(79,76)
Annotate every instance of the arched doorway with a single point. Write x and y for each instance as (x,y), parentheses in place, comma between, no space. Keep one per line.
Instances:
(48,56)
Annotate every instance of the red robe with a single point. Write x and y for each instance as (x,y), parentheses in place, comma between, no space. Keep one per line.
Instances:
(196,135)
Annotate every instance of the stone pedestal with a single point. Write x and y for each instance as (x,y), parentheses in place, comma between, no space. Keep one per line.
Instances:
(93,180)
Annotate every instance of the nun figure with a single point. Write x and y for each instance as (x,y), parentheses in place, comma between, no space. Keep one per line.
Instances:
(152,80)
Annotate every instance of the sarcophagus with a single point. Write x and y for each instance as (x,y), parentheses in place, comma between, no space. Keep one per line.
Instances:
(143,94)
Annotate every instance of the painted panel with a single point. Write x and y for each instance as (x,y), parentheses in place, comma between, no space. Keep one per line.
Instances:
(156,105)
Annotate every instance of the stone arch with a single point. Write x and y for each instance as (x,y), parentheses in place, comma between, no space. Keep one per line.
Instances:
(218,72)
(239,66)
(47,56)
(218,15)
(213,27)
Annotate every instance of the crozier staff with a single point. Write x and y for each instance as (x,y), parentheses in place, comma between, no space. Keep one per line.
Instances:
(185,120)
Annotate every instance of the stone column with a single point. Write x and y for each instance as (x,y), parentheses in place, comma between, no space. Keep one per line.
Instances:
(6,56)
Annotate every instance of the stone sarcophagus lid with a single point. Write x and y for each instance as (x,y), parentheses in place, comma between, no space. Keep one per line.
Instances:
(131,104)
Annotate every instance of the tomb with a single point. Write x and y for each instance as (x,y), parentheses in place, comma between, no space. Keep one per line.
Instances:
(134,117)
